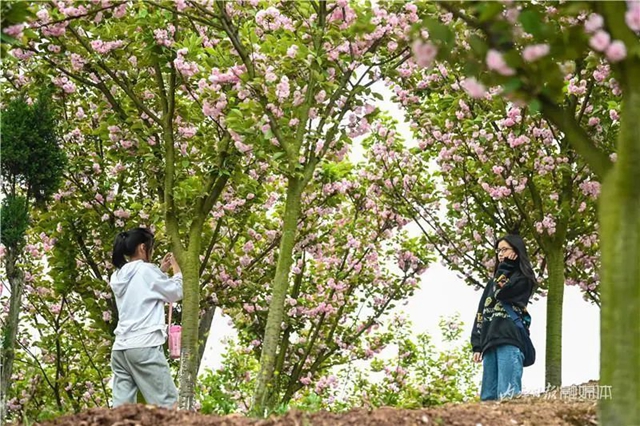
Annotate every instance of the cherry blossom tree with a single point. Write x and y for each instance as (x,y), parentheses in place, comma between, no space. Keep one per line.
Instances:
(506,168)
(353,263)
(303,92)
(526,48)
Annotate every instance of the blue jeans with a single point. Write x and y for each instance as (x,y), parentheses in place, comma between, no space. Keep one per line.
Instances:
(501,372)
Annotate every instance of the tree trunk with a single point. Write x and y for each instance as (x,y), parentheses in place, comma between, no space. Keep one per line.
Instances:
(263,398)
(620,274)
(203,332)
(555,298)
(190,314)
(16,281)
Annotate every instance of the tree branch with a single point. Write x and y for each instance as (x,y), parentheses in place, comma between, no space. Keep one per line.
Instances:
(598,161)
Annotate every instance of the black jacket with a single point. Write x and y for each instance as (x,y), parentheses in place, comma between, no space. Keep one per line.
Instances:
(493,326)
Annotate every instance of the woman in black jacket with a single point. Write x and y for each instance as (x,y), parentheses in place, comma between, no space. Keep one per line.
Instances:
(495,337)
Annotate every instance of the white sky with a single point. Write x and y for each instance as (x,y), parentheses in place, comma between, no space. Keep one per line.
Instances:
(442,293)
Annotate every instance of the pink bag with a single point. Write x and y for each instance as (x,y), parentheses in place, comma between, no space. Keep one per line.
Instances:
(175,337)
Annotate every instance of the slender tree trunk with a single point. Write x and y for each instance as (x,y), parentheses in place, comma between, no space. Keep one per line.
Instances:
(263,397)
(620,274)
(555,299)
(190,313)
(16,281)
(203,332)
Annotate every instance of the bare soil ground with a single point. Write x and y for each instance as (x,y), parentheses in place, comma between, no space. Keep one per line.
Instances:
(528,411)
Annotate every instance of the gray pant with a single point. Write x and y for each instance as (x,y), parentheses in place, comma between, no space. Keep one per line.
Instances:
(145,369)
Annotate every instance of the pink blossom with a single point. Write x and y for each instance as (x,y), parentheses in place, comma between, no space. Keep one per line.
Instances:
(55,30)
(616,51)
(121,213)
(271,19)
(632,16)
(162,37)
(14,30)
(473,87)
(21,54)
(520,140)
(600,41)
(613,114)
(293,122)
(548,224)
(601,73)
(594,121)
(577,89)
(411,8)
(282,88)
(73,11)
(43,16)
(508,122)
(320,96)
(106,316)
(187,132)
(270,76)
(590,188)
(424,53)
(120,11)
(534,52)
(105,47)
(292,51)
(593,23)
(305,380)
(186,68)
(242,147)
(345,14)
(495,61)
(77,62)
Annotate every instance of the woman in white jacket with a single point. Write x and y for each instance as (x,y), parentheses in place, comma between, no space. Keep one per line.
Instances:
(142,289)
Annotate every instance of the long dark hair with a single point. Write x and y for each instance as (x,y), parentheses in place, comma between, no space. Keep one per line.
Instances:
(127,242)
(524,263)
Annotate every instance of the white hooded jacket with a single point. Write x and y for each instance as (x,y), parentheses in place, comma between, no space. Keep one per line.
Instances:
(141,290)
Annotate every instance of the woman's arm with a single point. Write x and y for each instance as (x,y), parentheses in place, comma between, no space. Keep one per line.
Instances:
(514,289)
(168,289)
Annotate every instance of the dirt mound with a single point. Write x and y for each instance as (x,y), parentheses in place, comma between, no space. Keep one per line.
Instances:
(522,412)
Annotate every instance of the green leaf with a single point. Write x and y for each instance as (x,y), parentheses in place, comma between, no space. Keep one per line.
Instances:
(478,45)
(512,85)
(535,106)
(532,23)
(439,31)
(490,10)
